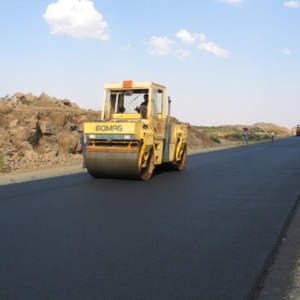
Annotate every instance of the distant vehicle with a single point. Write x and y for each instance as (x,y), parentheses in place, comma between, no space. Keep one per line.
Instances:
(298,130)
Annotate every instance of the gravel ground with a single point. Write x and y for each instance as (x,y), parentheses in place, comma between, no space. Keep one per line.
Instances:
(22,176)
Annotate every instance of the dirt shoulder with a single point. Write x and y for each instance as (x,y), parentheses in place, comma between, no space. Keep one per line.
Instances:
(23,176)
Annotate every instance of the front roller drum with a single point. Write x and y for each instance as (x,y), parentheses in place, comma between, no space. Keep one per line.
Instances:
(118,163)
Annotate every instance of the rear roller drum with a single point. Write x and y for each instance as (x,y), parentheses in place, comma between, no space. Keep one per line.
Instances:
(176,165)
(180,164)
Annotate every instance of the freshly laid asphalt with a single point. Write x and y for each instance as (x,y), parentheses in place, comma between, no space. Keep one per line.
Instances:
(282,277)
(217,230)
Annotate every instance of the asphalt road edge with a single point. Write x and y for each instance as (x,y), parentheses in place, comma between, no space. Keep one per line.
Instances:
(277,277)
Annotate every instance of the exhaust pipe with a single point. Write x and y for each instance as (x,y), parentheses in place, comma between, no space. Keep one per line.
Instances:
(169,109)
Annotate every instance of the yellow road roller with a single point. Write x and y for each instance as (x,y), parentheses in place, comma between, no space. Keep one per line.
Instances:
(135,133)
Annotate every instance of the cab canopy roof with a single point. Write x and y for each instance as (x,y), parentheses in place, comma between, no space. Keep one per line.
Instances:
(128,84)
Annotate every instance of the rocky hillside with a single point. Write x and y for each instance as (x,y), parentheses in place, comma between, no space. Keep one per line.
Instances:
(40,131)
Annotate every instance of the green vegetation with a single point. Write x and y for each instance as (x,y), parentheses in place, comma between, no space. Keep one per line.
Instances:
(234,133)
(258,137)
(215,138)
(266,137)
(233,137)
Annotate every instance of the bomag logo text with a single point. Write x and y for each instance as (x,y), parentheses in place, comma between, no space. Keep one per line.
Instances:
(109,128)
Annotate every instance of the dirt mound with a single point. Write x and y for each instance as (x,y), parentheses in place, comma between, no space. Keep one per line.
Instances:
(40,131)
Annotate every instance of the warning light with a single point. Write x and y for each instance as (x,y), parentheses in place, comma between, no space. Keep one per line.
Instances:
(127,84)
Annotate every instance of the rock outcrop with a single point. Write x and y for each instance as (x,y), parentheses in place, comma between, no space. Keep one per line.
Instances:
(40,131)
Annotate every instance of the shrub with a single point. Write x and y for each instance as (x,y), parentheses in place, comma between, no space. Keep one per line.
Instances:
(265,137)
(233,137)
(215,139)
(254,137)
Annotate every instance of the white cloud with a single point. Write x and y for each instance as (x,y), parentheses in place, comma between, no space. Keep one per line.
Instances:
(212,48)
(77,18)
(188,37)
(292,4)
(234,2)
(286,51)
(160,46)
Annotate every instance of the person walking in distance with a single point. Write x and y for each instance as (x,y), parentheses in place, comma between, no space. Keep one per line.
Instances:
(272,136)
(245,135)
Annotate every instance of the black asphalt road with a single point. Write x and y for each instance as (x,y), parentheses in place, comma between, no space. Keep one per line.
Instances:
(205,233)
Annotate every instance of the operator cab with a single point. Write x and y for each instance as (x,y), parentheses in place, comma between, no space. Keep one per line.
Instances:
(129,103)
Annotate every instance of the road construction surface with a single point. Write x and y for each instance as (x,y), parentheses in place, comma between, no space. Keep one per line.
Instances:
(209,232)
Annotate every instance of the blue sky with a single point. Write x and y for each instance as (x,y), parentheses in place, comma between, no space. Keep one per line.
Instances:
(223,61)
